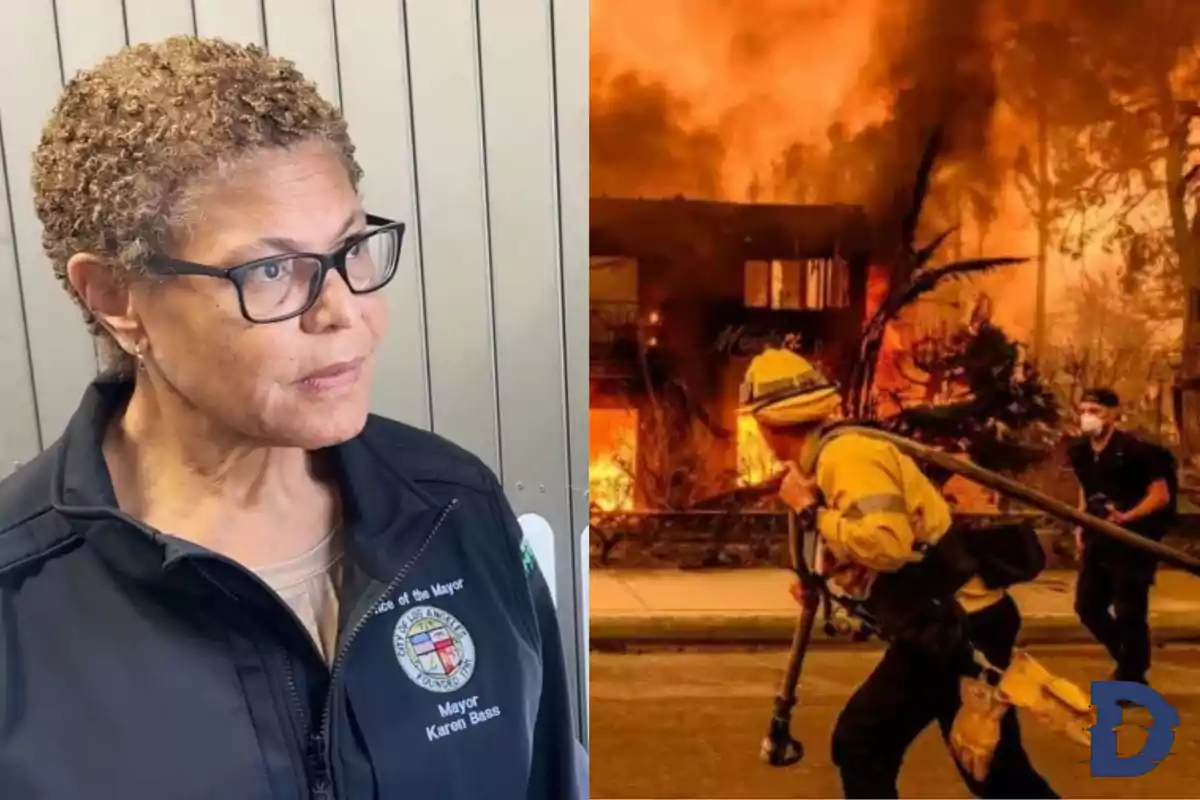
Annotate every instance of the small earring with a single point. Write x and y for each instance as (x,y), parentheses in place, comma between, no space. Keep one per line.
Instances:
(141,362)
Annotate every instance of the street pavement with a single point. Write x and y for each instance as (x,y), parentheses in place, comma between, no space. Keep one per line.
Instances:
(688,725)
(753,605)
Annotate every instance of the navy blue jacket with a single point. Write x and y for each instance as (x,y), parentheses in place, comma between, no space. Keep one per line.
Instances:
(136,665)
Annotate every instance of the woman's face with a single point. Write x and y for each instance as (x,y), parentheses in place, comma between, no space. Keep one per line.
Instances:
(304,381)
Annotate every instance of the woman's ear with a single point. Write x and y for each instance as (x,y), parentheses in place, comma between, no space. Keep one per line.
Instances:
(104,289)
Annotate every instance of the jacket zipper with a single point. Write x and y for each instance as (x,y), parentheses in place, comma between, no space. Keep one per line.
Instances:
(294,692)
(316,751)
(319,754)
(310,767)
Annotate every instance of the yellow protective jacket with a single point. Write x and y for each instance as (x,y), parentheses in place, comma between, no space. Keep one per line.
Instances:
(878,506)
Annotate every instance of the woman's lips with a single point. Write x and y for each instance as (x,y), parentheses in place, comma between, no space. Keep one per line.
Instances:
(332,378)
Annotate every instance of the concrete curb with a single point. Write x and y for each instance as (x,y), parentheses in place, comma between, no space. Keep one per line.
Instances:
(615,631)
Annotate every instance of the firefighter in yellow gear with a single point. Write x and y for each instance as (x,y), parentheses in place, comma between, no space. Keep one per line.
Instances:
(890,531)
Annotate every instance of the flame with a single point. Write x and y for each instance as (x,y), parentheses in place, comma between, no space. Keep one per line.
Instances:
(887,375)
(756,462)
(612,456)
(877,288)
(736,67)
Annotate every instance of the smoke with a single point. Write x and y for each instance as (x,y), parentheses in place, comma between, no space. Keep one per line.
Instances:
(931,67)
(787,100)
(939,72)
(643,143)
(722,87)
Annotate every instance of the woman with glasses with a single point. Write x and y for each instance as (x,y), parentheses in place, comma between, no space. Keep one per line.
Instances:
(226,579)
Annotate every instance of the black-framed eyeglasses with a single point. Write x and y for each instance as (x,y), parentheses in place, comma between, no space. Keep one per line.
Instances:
(280,287)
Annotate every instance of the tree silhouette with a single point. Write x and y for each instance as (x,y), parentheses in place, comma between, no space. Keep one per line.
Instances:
(1003,397)
(1131,74)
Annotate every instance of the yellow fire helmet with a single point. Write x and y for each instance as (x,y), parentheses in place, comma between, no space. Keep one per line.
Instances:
(782,388)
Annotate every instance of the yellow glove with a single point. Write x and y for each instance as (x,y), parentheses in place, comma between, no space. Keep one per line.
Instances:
(975,732)
(1054,702)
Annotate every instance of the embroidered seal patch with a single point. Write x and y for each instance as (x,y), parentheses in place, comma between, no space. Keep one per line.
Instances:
(434,649)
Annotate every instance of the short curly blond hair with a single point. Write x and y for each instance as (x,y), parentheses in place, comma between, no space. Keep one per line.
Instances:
(131,138)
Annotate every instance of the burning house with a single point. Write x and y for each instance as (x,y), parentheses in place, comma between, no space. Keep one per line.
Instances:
(683,294)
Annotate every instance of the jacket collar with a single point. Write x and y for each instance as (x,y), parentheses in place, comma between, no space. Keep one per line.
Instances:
(810,449)
(807,459)
(81,482)
(379,504)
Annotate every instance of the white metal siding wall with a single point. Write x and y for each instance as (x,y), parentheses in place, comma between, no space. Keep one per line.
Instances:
(470,119)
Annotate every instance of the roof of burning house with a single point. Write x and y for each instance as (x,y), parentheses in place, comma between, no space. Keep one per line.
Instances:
(640,228)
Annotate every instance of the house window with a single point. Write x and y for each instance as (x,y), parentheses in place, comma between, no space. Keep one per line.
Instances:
(811,284)
(757,277)
(614,279)
(613,297)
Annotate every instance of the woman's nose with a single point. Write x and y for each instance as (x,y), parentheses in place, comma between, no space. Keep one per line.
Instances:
(335,307)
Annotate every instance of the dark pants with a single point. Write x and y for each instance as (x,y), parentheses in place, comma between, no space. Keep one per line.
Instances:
(1125,630)
(907,691)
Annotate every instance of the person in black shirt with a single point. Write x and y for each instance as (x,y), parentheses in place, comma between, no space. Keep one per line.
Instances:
(1126,481)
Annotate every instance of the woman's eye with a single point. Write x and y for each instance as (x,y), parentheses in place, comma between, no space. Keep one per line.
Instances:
(271,272)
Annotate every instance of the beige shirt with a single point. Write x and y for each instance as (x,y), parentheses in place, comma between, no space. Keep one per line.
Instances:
(308,583)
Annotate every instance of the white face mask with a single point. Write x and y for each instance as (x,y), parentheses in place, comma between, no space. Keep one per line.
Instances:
(1091,424)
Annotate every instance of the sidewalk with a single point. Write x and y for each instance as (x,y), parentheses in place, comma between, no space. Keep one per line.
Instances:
(753,606)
